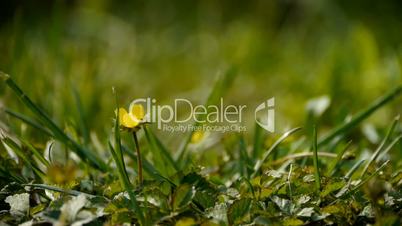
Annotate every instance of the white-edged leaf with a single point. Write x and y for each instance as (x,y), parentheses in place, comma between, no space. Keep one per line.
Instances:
(306,212)
(70,209)
(19,204)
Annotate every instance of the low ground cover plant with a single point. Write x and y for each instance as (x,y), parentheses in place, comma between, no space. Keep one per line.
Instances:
(299,177)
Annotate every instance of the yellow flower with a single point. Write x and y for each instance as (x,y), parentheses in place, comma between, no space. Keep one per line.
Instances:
(197,137)
(187,221)
(133,118)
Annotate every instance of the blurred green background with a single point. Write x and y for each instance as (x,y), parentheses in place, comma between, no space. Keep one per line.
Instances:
(292,50)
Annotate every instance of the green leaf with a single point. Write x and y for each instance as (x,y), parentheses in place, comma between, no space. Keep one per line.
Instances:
(206,193)
(292,222)
(182,196)
(238,211)
(37,209)
(331,187)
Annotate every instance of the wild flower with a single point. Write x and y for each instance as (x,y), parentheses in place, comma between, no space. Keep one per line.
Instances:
(132,122)
(133,119)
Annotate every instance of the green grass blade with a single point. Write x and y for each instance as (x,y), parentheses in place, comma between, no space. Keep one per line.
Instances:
(158,159)
(258,141)
(5,175)
(381,146)
(244,161)
(315,160)
(292,157)
(22,155)
(125,183)
(357,187)
(29,121)
(259,163)
(117,137)
(221,86)
(58,133)
(118,158)
(335,165)
(148,167)
(122,172)
(288,181)
(81,116)
(390,146)
(35,152)
(61,190)
(352,170)
(161,148)
(360,116)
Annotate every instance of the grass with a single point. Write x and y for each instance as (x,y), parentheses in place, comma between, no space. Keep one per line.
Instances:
(336,163)
(254,184)
(381,146)
(315,160)
(267,153)
(57,132)
(117,153)
(341,129)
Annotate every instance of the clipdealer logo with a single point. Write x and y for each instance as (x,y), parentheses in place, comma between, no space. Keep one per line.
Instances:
(220,117)
(267,120)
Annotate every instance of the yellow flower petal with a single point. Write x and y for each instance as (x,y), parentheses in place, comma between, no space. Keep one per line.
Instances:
(197,137)
(129,122)
(122,112)
(126,120)
(137,111)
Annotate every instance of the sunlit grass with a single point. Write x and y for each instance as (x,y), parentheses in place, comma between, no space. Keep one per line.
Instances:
(245,187)
(64,147)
